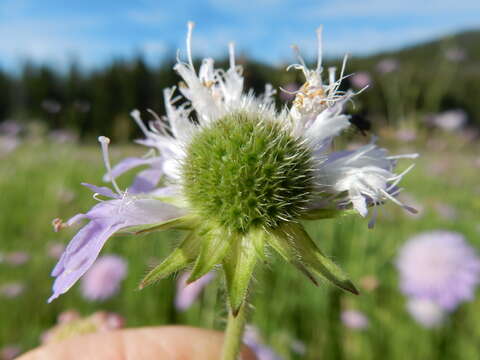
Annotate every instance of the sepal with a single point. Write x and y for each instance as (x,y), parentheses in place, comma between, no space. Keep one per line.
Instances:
(215,242)
(239,266)
(180,258)
(187,222)
(300,248)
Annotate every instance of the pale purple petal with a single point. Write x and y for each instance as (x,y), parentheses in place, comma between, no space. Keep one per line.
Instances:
(107,218)
(146,181)
(73,264)
(125,165)
(102,190)
(187,294)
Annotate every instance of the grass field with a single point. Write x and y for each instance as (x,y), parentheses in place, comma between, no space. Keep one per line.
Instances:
(41,181)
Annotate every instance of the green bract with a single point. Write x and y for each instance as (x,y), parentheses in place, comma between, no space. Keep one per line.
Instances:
(247,181)
(243,171)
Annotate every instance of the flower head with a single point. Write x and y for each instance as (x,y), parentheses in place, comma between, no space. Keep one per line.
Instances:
(354,319)
(239,176)
(254,341)
(188,293)
(104,277)
(439,266)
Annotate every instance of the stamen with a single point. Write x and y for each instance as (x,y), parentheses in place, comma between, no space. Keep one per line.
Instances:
(320,48)
(231,52)
(344,64)
(104,141)
(58,224)
(191,25)
(135,114)
(296,51)
(399,203)
(404,156)
(331,75)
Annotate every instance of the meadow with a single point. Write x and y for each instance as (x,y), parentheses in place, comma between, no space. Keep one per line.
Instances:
(40,180)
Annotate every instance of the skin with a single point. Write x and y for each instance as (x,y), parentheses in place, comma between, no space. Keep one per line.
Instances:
(149,343)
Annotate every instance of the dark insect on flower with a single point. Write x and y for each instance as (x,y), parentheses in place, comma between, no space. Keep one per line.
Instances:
(361,123)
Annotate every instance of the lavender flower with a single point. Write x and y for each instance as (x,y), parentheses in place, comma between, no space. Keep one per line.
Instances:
(406,135)
(361,80)
(354,319)
(446,211)
(16,258)
(9,352)
(388,65)
(439,266)
(455,54)
(104,277)
(188,293)
(8,144)
(253,340)
(239,176)
(12,290)
(289,91)
(55,250)
(10,128)
(426,312)
(451,120)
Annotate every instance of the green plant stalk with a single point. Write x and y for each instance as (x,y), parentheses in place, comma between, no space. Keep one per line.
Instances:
(234,334)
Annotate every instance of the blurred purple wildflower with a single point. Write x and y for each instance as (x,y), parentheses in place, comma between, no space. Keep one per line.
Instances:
(451,120)
(361,79)
(55,250)
(406,135)
(187,294)
(12,290)
(455,54)
(51,106)
(9,352)
(253,340)
(103,279)
(10,128)
(439,266)
(445,211)
(8,144)
(287,93)
(16,258)
(354,319)
(426,312)
(387,65)
(63,136)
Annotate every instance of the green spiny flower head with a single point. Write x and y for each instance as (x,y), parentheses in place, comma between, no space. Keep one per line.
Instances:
(238,177)
(244,171)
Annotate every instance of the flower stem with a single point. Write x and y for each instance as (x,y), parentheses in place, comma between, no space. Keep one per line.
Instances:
(234,334)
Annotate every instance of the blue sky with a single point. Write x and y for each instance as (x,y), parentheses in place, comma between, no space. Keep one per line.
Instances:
(96,31)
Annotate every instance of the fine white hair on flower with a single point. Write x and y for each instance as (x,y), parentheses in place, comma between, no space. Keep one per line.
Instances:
(361,178)
(227,166)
